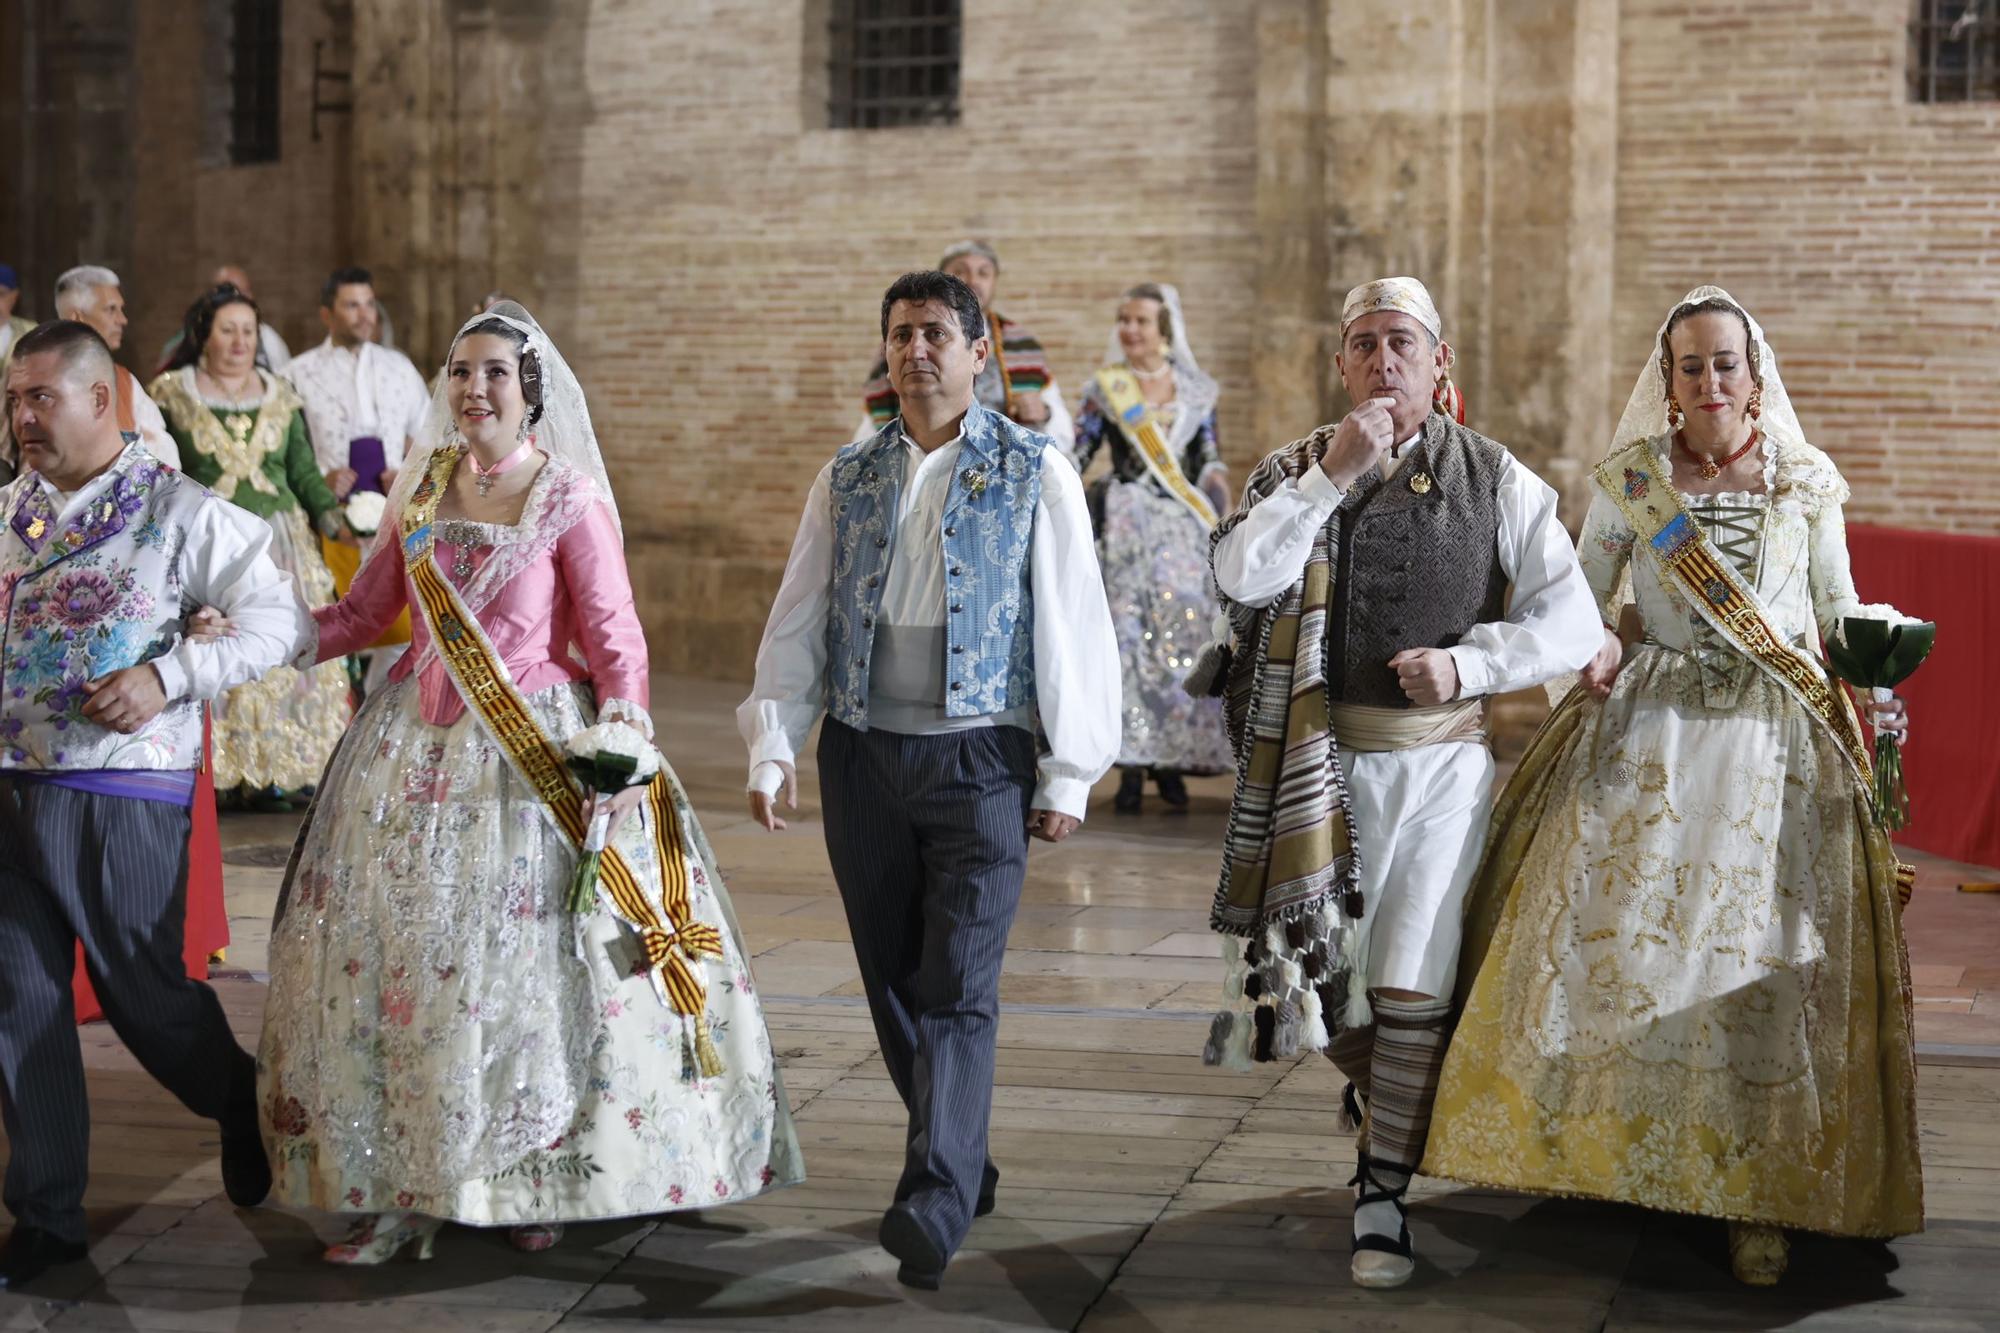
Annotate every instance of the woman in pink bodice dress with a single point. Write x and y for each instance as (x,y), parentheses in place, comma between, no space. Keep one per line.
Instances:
(445,1039)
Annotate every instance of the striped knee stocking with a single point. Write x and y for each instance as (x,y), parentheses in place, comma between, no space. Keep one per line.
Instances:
(1403,1075)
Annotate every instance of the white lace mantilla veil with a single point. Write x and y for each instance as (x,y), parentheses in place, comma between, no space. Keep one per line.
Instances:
(561,496)
(1194,389)
(1646,410)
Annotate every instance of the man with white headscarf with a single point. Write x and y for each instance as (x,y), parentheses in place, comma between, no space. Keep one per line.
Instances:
(1384,576)
(1016,381)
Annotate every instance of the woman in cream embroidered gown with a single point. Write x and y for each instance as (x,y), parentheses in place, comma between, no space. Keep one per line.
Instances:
(444,1039)
(242,433)
(1154,548)
(1693,993)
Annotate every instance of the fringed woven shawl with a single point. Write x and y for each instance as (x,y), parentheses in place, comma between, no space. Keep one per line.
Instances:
(1288,887)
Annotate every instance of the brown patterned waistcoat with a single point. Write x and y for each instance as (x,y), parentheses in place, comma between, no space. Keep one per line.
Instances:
(1415,568)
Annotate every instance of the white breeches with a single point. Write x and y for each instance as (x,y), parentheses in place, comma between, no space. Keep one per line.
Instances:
(1421,816)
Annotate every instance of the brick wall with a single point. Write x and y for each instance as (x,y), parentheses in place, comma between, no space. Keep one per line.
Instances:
(656,180)
(1772,149)
(284,221)
(732,252)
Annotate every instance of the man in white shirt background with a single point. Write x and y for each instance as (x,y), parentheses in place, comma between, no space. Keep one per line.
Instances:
(942,596)
(365,402)
(92,294)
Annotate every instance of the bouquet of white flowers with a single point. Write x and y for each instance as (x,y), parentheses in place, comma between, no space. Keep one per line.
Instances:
(607,759)
(364,511)
(1876,649)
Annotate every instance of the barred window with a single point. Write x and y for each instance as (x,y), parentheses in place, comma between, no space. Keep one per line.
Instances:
(892,62)
(1955,51)
(255,49)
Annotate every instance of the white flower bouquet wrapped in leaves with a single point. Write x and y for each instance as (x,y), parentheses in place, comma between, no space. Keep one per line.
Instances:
(607,758)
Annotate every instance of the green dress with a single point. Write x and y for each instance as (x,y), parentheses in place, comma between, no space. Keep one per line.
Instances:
(278,731)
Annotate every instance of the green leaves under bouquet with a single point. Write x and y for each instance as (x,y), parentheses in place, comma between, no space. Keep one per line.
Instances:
(1877,652)
(607,759)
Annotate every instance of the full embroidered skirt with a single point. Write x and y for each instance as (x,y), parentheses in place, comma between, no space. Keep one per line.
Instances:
(1154,555)
(1684,975)
(279,730)
(444,1035)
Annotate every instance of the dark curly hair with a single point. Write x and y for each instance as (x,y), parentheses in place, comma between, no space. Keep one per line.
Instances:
(199,321)
(928,285)
(531,364)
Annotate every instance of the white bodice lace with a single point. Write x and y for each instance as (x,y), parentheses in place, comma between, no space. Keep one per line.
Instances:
(1788,540)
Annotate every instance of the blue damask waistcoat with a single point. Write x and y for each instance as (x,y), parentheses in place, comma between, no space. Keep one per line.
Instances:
(989,517)
(96,593)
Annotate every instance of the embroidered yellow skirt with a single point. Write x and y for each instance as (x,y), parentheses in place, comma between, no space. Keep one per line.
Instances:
(280,729)
(1684,977)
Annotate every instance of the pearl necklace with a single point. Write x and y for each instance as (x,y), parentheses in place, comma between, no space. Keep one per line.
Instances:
(1165,368)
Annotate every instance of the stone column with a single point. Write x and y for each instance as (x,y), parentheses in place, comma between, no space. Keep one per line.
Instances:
(69,115)
(1292,367)
(1472,146)
(457,103)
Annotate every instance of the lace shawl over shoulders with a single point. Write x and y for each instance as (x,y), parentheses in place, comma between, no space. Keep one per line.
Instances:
(1807,480)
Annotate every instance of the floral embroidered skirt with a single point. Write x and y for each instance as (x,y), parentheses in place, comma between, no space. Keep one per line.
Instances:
(443,1035)
(280,729)
(1155,559)
(1684,976)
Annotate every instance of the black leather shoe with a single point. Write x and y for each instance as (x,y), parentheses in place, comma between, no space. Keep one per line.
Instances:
(246,1170)
(922,1258)
(1131,791)
(31,1252)
(1173,790)
(989,1184)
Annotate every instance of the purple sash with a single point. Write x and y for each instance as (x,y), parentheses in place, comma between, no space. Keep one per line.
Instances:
(366,456)
(173,786)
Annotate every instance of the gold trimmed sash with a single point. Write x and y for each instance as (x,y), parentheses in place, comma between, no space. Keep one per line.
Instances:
(672,946)
(1138,424)
(1644,492)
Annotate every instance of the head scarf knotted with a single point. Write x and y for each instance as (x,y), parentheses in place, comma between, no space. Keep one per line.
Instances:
(1410,297)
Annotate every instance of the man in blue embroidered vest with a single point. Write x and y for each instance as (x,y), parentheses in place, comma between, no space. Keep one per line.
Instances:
(105,553)
(1015,382)
(941,596)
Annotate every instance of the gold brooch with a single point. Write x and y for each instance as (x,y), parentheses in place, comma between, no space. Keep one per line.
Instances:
(36,528)
(1420,482)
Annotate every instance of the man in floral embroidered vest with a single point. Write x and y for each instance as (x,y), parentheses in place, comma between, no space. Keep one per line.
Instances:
(942,595)
(104,555)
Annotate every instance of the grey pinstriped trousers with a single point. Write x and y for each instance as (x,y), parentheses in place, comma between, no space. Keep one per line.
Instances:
(110,871)
(928,839)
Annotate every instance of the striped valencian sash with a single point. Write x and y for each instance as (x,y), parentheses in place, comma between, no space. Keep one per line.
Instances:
(672,944)
(1120,389)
